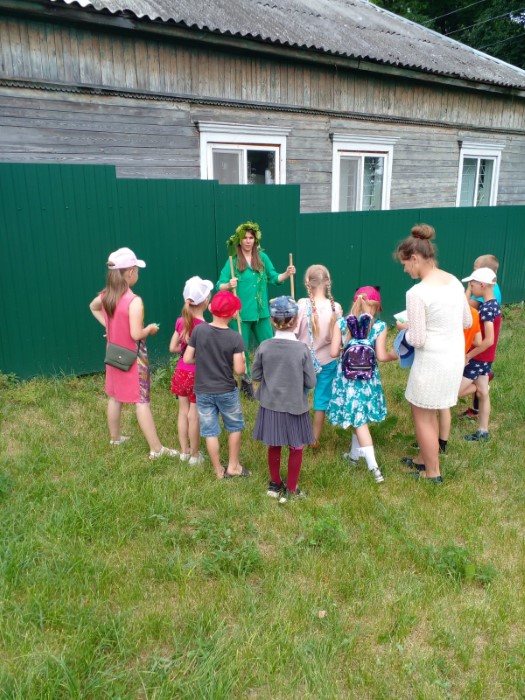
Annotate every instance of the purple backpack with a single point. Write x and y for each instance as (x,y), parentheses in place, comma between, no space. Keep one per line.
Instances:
(358,360)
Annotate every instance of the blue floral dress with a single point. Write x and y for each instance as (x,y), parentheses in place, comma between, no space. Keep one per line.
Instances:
(357,402)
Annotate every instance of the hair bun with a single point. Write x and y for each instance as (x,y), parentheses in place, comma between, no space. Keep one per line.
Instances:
(425,232)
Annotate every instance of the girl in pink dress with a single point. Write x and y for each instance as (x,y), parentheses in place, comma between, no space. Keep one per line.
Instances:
(122,314)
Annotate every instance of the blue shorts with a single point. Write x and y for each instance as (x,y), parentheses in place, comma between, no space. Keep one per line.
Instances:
(474,369)
(323,388)
(227,405)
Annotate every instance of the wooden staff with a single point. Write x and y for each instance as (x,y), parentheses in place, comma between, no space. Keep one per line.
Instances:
(246,382)
(235,292)
(291,279)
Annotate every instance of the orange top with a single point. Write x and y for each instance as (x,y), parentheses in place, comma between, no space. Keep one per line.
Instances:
(474,328)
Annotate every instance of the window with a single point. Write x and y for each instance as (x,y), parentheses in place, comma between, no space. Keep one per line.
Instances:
(478,174)
(361,173)
(240,154)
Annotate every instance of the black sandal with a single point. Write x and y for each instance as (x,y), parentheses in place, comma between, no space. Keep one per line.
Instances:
(410,463)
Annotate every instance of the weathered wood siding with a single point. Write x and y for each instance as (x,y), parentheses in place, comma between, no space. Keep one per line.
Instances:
(156,137)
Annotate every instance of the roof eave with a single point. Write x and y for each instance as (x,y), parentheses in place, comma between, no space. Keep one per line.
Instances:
(103,19)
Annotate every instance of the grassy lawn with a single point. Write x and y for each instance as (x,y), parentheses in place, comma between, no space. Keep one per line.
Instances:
(122,578)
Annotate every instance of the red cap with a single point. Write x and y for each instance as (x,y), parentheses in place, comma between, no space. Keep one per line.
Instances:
(370,294)
(225,305)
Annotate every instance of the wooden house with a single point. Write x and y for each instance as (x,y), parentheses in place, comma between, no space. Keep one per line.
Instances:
(365,110)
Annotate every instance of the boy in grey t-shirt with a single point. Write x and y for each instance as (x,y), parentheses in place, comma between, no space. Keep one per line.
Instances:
(218,352)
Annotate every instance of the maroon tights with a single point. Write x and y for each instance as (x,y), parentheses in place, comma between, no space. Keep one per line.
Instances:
(295,459)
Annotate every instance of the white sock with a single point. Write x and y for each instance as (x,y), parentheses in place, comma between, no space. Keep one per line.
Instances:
(355,449)
(370,456)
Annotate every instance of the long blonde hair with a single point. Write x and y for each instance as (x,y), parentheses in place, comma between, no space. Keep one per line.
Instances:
(363,305)
(318,276)
(188,314)
(116,287)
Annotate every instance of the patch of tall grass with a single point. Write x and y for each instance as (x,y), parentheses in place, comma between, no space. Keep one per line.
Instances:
(124,578)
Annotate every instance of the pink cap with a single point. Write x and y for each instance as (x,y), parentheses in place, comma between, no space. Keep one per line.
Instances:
(123,258)
(369,293)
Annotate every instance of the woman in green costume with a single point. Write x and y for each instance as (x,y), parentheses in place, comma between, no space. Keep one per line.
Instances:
(252,271)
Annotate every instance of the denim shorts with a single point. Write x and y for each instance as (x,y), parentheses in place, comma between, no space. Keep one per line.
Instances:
(474,369)
(227,405)
(323,388)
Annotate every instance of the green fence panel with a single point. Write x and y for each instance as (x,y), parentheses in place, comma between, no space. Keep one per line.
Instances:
(58,225)
(169,224)
(59,222)
(50,217)
(357,248)
(512,269)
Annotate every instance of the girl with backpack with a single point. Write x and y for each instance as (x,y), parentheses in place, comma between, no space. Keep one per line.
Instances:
(317,317)
(357,393)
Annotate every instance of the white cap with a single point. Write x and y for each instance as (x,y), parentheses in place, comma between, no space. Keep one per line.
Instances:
(123,258)
(197,290)
(482,274)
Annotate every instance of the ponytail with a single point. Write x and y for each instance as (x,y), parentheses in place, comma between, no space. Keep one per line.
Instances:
(188,317)
(116,287)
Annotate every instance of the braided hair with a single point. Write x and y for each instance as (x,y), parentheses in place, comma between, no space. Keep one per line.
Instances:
(318,276)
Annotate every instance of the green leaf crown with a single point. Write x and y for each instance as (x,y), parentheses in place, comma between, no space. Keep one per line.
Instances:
(234,241)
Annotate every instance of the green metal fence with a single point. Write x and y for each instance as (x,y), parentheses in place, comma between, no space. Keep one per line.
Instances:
(59,222)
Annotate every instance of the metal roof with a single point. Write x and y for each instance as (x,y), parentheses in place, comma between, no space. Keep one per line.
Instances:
(352,28)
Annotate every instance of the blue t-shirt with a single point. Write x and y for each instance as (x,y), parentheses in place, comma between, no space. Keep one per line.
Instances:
(497,294)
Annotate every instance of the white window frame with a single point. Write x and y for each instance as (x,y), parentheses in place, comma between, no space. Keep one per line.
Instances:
(361,147)
(480,151)
(243,138)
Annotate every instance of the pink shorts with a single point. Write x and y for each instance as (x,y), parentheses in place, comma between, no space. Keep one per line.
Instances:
(182,384)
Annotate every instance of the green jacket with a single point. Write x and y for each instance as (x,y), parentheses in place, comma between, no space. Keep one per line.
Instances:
(252,287)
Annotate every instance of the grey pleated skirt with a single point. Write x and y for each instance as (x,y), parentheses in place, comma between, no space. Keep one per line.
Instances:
(276,428)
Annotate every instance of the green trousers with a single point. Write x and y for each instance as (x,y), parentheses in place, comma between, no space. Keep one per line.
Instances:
(261,329)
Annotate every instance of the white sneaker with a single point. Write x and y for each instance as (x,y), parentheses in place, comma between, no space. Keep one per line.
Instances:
(184,456)
(377,475)
(198,459)
(122,439)
(163,452)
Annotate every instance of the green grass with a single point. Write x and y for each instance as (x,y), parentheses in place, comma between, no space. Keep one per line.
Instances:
(121,578)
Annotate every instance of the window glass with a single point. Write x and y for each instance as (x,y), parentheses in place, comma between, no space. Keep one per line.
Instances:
(348,183)
(260,167)
(476,182)
(227,166)
(373,183)
(479,167)
(468,182)
(362,172)
(486,169)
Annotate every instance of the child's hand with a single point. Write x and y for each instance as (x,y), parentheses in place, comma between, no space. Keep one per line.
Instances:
(152,329)
(401,326)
